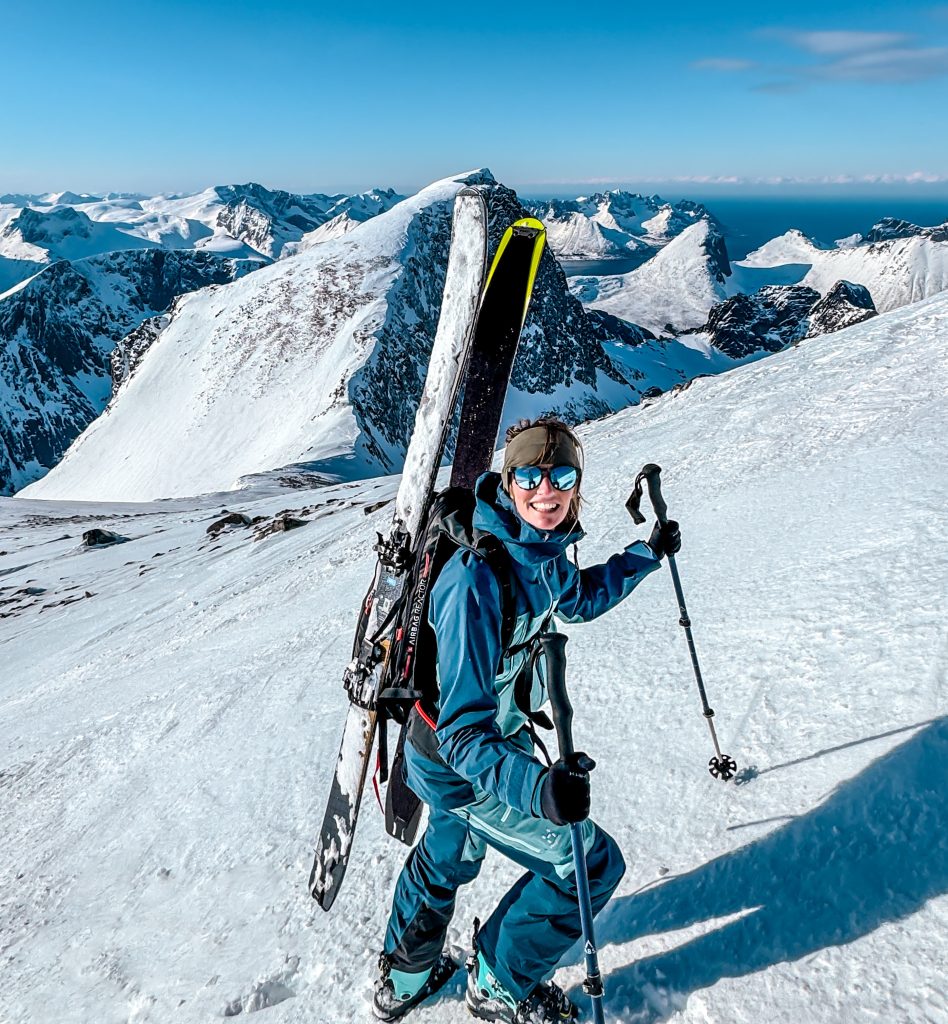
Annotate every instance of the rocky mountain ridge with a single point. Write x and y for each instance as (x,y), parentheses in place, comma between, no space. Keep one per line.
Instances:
(892,227)
(615,224)
(319,359)
(57,333)
(777,316)
(246,221)
(362,300)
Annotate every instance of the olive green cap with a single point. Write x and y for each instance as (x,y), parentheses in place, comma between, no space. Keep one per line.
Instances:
(542,444)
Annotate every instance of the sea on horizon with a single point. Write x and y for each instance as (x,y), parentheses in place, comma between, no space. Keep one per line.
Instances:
(750,221)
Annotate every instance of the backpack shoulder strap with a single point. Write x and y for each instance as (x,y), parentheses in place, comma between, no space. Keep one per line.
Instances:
(498,558)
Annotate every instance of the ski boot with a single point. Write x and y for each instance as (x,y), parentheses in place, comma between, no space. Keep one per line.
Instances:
(397,992)
(488,999)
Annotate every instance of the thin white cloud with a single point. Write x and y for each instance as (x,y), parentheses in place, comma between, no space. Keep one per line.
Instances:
(889,65)
(706,179)
(850,56)
(910,178)
(726,64)
(832,43)
(913,178)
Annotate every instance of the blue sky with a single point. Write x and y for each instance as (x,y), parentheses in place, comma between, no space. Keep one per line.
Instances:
(172,95)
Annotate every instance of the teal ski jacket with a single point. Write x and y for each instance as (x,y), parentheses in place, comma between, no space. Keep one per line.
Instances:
(482,734)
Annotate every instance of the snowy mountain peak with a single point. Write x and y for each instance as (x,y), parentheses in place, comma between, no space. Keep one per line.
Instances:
(269,221)
(891,227)
(63,232)
(328,350)
(68,198)
(792,246)
(47,228)
(673,291)
(269,199)
(615,223)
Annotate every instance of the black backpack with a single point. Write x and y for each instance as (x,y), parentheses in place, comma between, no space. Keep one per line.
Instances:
(410,671)
(411,696)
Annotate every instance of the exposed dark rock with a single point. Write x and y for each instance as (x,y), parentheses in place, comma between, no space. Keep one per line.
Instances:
(130,350)
(231,519)
(97,538)
(279,524)
(606,327)
(376,505)
(767,321)
(892,227)
(780,315)
(843,305)
(719,264)
(560,346)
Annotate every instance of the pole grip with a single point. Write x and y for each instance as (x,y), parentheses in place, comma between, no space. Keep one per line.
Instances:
(651,474)
(553,646)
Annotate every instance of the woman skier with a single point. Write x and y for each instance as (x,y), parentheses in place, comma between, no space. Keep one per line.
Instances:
(477,770)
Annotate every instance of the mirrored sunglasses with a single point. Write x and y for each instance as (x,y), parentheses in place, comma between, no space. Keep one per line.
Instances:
(563,478)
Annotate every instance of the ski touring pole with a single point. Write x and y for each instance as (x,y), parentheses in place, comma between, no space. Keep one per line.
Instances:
(554,651)
(721,766)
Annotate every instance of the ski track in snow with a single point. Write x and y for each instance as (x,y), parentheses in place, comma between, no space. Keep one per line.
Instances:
(169,740)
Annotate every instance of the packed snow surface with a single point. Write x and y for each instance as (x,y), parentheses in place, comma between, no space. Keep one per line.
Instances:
(171,709)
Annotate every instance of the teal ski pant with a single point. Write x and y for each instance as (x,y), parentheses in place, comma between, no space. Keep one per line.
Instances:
(536,921)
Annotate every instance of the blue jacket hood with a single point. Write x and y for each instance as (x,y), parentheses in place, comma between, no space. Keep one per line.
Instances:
(495,513)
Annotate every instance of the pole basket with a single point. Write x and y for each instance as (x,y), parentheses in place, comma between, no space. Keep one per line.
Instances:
(722,767)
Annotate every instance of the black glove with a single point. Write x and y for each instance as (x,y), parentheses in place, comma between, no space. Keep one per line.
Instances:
(564,797)
(665,539)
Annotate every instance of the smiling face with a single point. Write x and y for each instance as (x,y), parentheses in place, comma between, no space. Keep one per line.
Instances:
(544,507)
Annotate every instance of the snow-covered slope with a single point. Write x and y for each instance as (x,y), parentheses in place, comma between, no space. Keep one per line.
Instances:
(673,291)
(321,359)
(63,233)
(791,247)
(57,331)
(896,270)
(171,707)
(14,272)
(340,225)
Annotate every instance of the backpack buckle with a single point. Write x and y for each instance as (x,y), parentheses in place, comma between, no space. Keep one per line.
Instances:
(394,551)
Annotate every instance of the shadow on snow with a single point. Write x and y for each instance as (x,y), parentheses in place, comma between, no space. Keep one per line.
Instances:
(876,850)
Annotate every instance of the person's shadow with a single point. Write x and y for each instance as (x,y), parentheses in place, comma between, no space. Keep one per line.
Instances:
(874,851)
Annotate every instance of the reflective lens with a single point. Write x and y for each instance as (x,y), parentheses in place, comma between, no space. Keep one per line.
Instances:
(563,478)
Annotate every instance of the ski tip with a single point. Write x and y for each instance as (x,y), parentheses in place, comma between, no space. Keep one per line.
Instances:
(529,224)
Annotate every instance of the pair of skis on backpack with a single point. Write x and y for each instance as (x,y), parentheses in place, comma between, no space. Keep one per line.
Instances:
(482,315)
